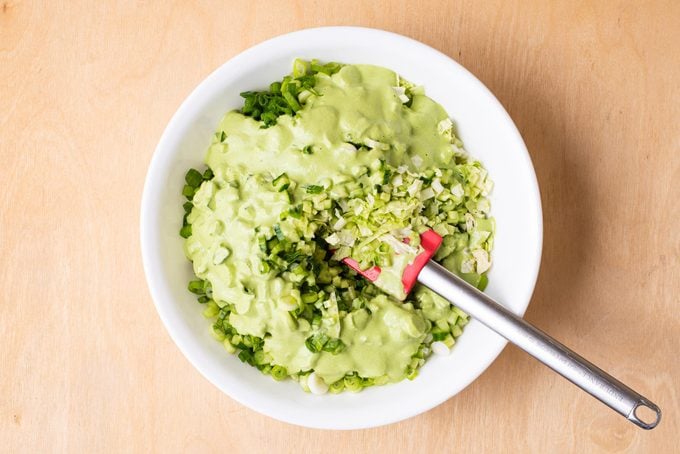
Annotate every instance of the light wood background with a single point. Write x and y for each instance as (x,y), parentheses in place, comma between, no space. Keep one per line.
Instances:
(87,87)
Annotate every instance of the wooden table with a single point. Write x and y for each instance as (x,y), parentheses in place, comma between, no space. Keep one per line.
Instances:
(86,88)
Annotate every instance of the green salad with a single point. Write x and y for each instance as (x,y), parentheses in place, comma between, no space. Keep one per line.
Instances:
(333,161)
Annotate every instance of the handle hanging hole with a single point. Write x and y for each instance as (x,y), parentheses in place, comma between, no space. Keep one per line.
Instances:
(645,414)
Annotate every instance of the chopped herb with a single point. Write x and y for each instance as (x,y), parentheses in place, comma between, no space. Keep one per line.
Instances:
(203,299)
(197,286)
(292,256)
(246,356)
(296,212)
(193,178)
(262,243)
(281,183)
(185,231)
(314,189)
(334,346)
(275,87)
(386,176)
(188,191)
(309,298)
(483,282)
(353,383)
(328,68)
(265,267)
(316,342)
(437,336)
(279,373)
(279,233)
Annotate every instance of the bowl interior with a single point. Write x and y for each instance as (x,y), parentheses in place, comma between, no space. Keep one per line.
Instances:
(488,134)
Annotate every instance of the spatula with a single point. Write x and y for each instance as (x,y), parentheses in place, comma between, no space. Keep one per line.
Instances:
(544,348)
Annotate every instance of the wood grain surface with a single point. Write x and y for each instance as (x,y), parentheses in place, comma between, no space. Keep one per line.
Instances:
(87,87)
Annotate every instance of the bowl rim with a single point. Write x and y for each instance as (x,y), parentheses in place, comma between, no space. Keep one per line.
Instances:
(146,210)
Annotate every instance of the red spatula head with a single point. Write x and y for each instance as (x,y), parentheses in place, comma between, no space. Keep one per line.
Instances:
(429,241)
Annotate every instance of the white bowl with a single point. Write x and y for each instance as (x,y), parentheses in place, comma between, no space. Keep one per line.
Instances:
(488,134)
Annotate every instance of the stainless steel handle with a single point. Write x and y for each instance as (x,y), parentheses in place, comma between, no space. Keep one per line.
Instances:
(547,350)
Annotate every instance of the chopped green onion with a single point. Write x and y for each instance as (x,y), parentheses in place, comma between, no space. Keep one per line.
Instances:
(292,256)
(316,342)
(296,212)
(439,335)
(262,243)
(211,310)
(265,267)
(483,282)
(279,373)
(387,174)
(334,346)
(281,182)
(329,68)
(227,345)
(217,333)
(197,286)
(260,357)
(300,67)
(309,298)
(337,387)
(246,356)
(185,231)
(193,178)
(314,189)
(353,383)
(291,100)
(188,191)
(267,106)
(411,373)
(279,232)
(275,87)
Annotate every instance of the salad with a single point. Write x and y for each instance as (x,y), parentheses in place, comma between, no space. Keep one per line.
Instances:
(333,161)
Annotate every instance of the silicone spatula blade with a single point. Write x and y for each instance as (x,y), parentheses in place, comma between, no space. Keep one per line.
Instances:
(429,241)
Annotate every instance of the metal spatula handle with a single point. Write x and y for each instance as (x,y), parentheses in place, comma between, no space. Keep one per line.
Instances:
(547,350)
